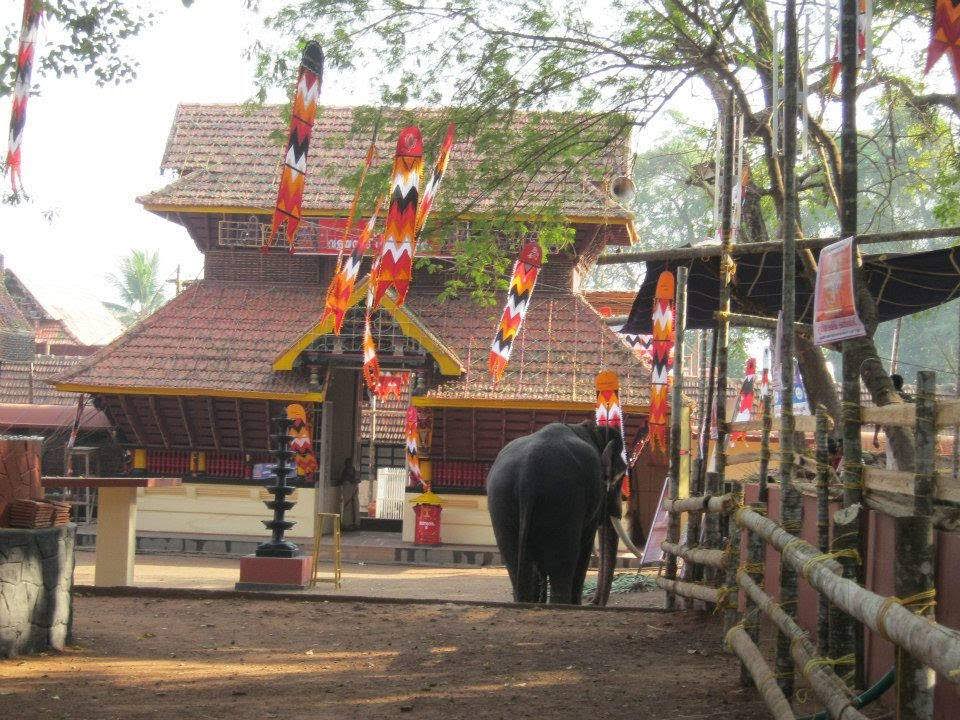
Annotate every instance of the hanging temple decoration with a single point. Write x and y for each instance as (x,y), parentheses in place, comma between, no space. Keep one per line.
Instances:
(522,282)
(660,369)
(293,172)
(32,13)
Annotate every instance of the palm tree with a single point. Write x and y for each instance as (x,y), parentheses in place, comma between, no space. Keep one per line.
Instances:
(139,285)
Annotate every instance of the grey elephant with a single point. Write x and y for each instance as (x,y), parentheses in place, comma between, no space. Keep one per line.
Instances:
(548,494)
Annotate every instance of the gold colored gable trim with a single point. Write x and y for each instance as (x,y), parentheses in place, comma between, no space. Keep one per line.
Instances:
(409,323)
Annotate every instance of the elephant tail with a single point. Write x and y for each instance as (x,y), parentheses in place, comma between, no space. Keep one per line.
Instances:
(528,577)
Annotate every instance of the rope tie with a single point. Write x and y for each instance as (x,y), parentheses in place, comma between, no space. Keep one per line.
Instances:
(923,600)
(723,594)
(823,557)
(795,543)
(751,568)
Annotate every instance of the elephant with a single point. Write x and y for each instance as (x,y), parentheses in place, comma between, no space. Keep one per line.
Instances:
(548,494)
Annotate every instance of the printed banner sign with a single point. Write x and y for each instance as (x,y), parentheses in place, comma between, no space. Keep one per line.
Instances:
(800,404)
(834,301)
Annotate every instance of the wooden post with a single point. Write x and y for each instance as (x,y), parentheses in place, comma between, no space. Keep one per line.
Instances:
(698,481)
(753,661)
(756,554)
(732,610)
(846,537)
(767,420)
(915,560)
(715,480)
(676,402)
(790,499)
(823,523)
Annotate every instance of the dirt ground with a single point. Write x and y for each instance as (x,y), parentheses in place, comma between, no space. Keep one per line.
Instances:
(139,658)
(403,581)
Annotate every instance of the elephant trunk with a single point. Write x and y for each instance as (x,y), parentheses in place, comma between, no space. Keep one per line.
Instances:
(607,551)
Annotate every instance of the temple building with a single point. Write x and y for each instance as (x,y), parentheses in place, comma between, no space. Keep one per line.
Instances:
(191,389)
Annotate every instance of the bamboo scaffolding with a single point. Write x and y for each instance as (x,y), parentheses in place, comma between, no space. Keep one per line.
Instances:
(831,690)
(766,425)
(766,323)
(708,251)
(701,556)
(795,551)
(934,644)
(695,572)
(695,591)
(701,504)
(676,400)
(763,677)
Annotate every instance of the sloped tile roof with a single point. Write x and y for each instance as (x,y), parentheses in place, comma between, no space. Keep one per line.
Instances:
(225,336)
(214,337)
(230,156)
(27,382)
(619,302)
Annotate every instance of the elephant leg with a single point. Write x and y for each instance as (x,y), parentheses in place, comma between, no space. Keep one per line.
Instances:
(583,564)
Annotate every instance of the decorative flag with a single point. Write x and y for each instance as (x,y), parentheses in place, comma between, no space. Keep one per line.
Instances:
(410,428)
(303,458)
(522,283)
(392,385)
(293,173)
(864,21)
(371,365)
(659,372)
(345,276)
(641,343)
(433,184)
(609,414)
(32,12)
(744,409)
(945,37)
(395,263)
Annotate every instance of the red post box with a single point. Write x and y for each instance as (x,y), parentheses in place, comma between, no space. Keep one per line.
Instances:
(426,511)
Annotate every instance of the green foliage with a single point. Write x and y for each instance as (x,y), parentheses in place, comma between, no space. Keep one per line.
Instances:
(82,37)
(139,286)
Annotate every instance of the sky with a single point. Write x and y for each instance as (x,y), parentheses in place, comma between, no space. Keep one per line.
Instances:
(88,152)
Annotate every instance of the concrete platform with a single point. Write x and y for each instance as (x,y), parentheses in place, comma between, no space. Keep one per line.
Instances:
(377,548)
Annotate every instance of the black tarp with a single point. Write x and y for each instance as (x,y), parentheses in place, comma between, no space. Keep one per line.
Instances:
(902,284)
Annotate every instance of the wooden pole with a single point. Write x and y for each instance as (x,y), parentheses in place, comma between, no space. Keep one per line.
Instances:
(732,611)
(823,523)
(762,676)
(676,401)
(694,591)
(727,270)
(846,534)
(915,560)
(756,552)
(767,427)
(895,347)
(956,392)
(698,481)
(709,251)
(702,556)
(790,498)
(701,504)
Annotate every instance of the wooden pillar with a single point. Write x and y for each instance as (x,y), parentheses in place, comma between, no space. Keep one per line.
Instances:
(676,419)
(915,560)
(823,524)
(698,481)
(767,427)
(846,537)
(790,499)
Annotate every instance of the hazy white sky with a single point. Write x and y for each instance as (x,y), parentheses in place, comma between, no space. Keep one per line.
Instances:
(88,152)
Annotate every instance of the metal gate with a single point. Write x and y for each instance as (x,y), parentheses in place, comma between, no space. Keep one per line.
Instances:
(390,488)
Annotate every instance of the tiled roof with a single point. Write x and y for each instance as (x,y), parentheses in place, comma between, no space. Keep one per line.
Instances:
(391,416)
(12,318)
(212,337)
(229,156)
(225,336)
(55,333)
(27,382)
(564,343)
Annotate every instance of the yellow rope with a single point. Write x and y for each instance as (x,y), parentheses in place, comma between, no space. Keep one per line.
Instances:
(924,600)
(823,557)
(816,662)
(723,593)
(796,542)
(751,568)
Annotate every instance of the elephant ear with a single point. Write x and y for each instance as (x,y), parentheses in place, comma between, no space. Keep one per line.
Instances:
(611,460)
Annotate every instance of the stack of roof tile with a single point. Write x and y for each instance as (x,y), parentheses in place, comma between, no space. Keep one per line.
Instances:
(30,514)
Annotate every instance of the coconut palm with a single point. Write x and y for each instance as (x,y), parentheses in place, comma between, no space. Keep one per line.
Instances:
(139,286)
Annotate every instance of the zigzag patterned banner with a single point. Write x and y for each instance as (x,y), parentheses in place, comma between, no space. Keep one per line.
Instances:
(433,184)
(410,427)
(293,173)
(300,443)
(609,413)
(32,13)
(395,263)
(522,283)
(345,278)
(660,369)
(945,37)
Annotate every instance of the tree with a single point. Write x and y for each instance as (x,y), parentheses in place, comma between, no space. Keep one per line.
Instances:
(628,59)
(139,286)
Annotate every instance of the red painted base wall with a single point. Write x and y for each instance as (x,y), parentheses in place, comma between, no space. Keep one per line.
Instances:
(880,554)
